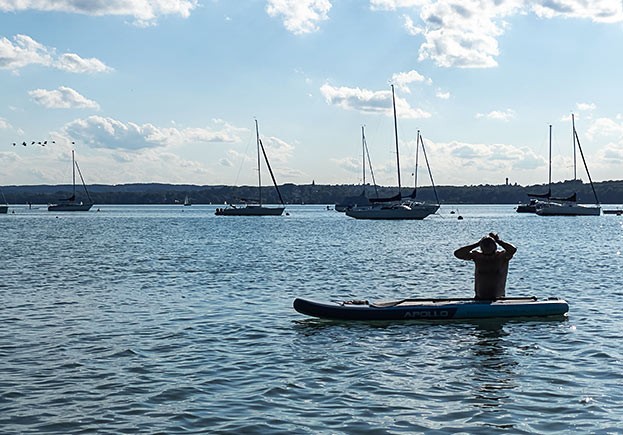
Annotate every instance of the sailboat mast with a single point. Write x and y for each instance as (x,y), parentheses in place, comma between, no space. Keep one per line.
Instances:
(575,171)
(417,148)
(259,173)
(73,173)
(363,154)
(396,137)
(550,159)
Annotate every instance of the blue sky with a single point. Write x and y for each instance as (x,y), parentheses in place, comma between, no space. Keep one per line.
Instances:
(167,91)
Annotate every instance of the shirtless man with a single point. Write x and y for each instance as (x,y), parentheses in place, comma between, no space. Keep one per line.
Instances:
(491,265)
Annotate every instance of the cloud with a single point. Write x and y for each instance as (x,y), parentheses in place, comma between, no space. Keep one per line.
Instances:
(461,161)
(71,62)
(371,102)
(605,127)
(300,16)
(101,132)
(442,95)
(498,115)
(4,124)
(586,107)
(612,154)
(278,150)
(25,51)
(145,12)
(403,79)
(465,34)
(601,11)
(62,98)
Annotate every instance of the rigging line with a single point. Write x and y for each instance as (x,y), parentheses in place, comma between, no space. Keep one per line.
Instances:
(365,145)
(271,171)
(246,152)
(430,173)
(575,133)
(83,183)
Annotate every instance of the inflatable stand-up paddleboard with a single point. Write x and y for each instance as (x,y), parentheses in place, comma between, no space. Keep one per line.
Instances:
(434,309)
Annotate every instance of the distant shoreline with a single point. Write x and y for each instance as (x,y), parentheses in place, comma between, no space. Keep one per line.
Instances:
(609,192)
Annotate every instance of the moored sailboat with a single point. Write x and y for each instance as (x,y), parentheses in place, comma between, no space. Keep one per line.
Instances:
(568,206)
(4,208)
(396,208)
(71,204)
(256,209)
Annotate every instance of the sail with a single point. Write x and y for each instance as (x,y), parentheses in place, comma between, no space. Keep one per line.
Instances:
(572,198)
(394,198)
(540,195)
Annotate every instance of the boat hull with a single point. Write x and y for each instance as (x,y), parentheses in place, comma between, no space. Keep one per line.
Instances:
(70,207)
(250,210)
(434,309)
(396,212)
(568,210)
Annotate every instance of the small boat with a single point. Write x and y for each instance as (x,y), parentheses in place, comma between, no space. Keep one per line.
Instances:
(434,309)
(614,211)
(187,201)
(71,204)
(256,209)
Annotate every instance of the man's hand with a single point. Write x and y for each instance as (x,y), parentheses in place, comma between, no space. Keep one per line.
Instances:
(495,237)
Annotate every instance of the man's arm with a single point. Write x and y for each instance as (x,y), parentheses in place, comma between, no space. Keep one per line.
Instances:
(508,248)
(464,253)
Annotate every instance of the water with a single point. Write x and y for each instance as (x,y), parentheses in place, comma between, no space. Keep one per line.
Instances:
(145,319)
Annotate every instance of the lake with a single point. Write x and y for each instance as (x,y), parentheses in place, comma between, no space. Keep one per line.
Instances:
(168,319)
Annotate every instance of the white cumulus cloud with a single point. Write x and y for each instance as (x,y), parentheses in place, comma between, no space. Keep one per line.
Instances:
(465,34)
(366,101)
(300,16)
(103,132)
(4,124)
(498,115)
(144,12)
(404,79)
(62,98)
(25,51)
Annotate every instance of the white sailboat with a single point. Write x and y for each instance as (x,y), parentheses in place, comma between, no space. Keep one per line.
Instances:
(568,206)
(397,208)
(256,209)
(187,201)
(4,208)
(71,204)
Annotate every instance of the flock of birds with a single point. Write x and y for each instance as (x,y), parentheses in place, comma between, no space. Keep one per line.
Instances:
(44,143)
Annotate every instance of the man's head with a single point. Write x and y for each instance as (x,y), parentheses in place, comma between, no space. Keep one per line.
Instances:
(488,245)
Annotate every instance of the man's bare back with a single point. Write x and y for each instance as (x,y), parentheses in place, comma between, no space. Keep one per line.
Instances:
(491,265)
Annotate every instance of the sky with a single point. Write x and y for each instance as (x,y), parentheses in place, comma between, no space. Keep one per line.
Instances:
(169,90)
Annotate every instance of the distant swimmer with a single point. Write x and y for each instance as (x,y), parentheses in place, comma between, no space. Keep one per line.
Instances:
(491,265)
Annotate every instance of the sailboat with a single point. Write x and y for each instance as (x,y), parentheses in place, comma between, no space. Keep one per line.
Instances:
(361,199)
(568,206)
(187,201)
(395,207)
(256,209)
(4,208)
(70,204)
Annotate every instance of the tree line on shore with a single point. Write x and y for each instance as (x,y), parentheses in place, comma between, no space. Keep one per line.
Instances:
(608,192)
